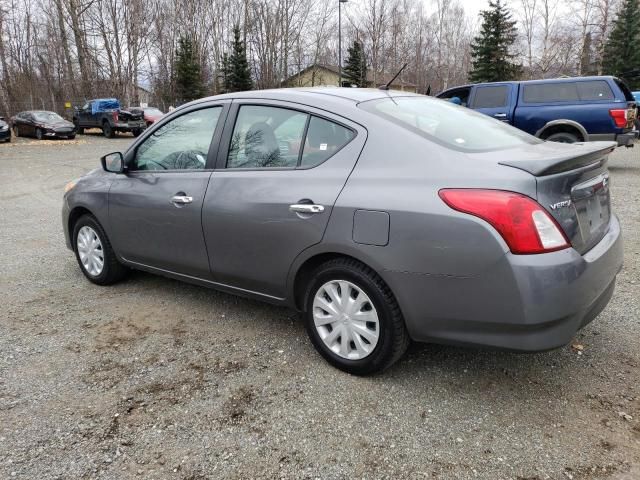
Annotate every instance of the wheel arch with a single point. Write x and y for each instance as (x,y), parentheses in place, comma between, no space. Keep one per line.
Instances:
(300,274)
(74,215)
(563,125)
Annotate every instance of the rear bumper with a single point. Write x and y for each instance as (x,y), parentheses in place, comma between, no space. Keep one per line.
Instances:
(524,303)
(627,139)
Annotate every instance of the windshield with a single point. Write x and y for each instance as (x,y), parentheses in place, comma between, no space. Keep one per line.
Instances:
(450,125)
(152,111)
(47,117)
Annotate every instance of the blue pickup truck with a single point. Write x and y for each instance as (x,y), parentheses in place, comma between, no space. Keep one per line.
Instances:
(568,110)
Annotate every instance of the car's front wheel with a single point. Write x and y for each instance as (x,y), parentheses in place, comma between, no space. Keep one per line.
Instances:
(353,319)
(39,134)
(136,132)
(94,253)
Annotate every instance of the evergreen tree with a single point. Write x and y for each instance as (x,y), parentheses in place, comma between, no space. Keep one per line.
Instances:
(189,85)
(355,69)
(240,75)
(622,49)
(492,61)
(226,73)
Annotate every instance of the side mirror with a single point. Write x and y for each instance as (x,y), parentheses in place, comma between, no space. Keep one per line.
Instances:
(113,162)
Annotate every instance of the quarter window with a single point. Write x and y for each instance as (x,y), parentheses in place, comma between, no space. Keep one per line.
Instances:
(595,90)
(324,138)
(181,144)
(491,97)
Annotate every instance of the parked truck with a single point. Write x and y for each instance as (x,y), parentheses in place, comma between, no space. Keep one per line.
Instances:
(106,114)
(568,110)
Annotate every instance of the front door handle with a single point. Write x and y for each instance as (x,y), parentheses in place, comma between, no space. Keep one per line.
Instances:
(501,116)
(181,199)
(306,208)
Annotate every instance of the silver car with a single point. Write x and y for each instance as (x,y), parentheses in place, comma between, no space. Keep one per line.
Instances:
(383,217)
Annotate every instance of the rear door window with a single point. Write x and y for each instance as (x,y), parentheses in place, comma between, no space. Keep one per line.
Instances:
(491,97)
(595,90)
(551,92)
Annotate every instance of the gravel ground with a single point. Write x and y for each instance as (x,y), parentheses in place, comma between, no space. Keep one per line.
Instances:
(157,379)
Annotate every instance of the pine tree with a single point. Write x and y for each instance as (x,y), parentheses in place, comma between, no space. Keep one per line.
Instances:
(240,75)
(226,73)
(355,69)
(492,60)
(622,49)
(189,85)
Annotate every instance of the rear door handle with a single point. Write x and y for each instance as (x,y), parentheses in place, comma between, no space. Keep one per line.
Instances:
(181,199)
(306,208)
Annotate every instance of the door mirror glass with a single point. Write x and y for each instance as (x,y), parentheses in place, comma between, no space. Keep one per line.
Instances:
(113,162)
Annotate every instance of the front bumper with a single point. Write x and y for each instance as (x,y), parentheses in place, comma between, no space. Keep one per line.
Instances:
(65,223)
(627,139)
(130,126)
(59,133)
(4,134)
(524,302)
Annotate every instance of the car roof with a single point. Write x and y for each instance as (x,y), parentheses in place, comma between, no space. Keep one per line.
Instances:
(316,95)
(542,80)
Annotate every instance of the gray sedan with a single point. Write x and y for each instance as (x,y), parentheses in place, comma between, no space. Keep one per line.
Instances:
(383,217)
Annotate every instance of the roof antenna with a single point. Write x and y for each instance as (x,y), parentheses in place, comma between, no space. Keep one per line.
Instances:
(386,87)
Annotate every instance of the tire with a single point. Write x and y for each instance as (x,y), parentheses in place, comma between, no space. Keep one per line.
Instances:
(39,134)
(79,130)
(136,132)
(112,270)
(350,276)
(107,130)
(71,137)
(563,137)
(16,131)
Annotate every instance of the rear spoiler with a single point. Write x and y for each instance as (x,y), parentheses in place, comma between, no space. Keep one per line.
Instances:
(597,152)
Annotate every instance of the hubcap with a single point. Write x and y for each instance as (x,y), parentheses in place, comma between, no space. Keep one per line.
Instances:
(346,319)
(90,251)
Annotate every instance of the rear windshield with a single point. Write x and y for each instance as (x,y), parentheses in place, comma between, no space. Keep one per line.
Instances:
(455,127)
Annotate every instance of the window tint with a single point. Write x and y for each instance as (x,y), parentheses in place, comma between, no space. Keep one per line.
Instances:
(266,137)
(182,144)
(449,125)
(461,93)
(324,138)
(626,91)
(595,90)
(551,92)
(491,97)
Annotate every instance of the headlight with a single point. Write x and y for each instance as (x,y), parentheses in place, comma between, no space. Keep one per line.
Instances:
(4,128)
(69,186)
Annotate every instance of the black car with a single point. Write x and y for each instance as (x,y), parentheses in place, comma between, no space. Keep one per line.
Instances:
(42,124)
(5,132)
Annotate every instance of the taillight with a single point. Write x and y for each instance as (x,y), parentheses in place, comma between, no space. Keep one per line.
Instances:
(619,116)
(115,117)
(522,222)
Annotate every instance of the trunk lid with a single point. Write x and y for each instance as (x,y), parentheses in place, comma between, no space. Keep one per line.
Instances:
(572,184)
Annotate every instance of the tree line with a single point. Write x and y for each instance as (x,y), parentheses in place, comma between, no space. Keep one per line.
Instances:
(58,51)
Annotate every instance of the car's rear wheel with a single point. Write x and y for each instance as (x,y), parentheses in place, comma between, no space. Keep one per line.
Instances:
(107,130)
(353,319)
(563,137)
(136,132)
(94,253)
(39,134)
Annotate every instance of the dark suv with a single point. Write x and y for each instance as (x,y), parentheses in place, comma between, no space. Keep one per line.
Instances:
(562,109)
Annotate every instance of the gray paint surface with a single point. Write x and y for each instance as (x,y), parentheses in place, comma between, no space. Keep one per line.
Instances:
(452,274)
